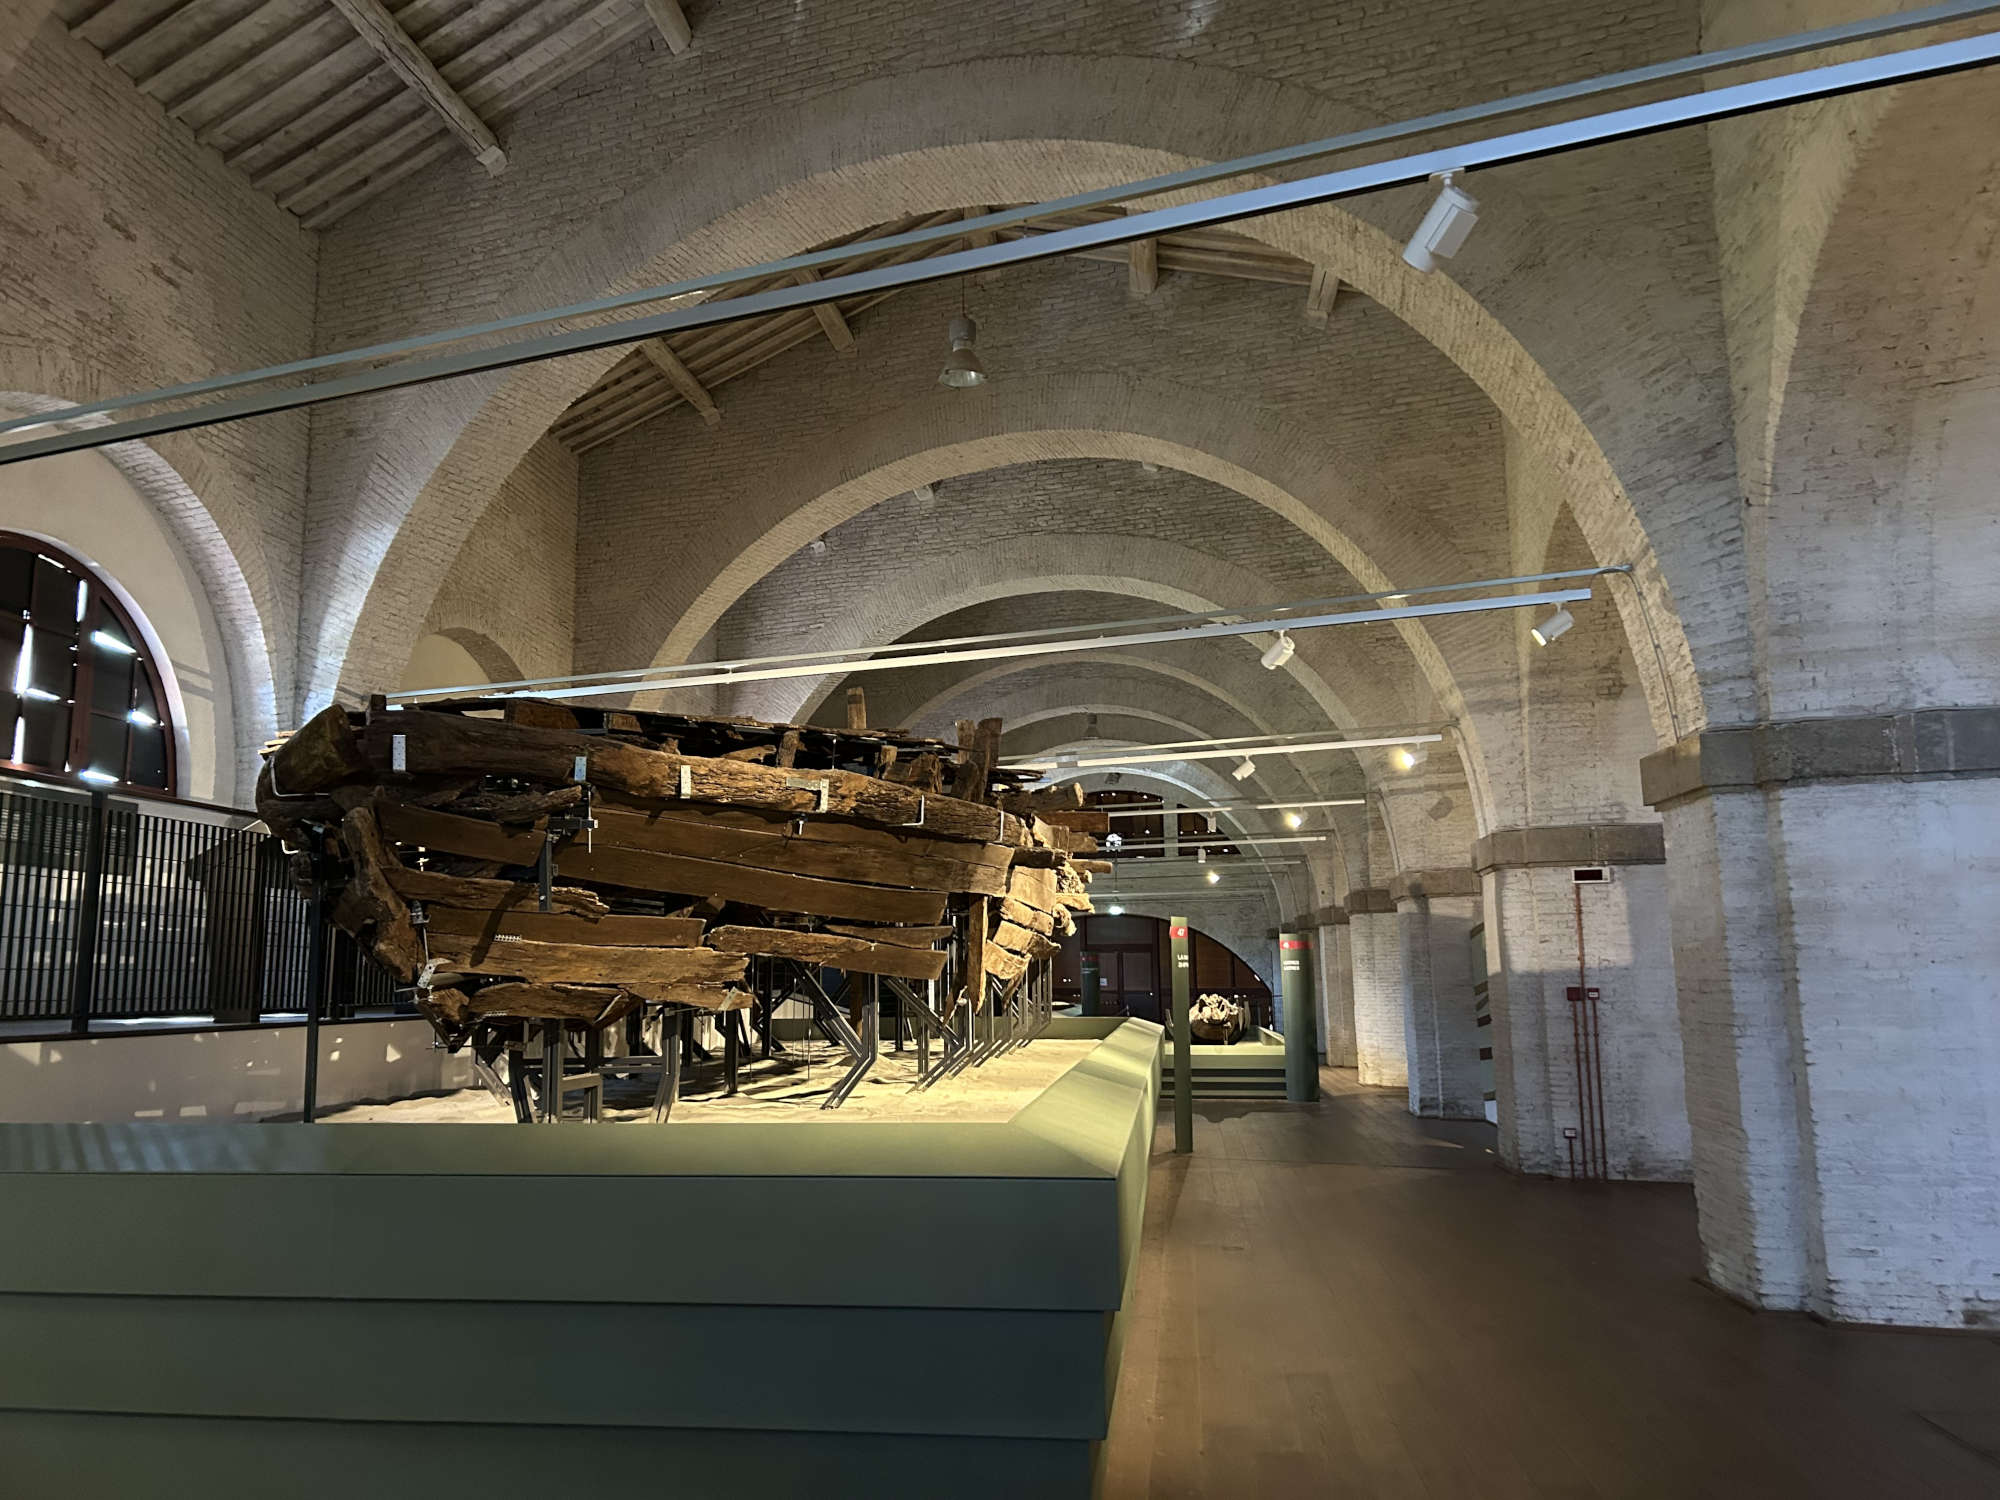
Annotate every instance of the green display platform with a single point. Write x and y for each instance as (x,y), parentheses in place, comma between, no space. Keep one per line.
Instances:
(873,1309)
(1253,1068)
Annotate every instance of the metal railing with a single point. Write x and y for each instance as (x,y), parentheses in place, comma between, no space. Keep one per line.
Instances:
(116,905)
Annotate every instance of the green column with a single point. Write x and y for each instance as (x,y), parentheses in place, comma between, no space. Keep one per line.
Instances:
(1295,982)
(1091,1001)
(1177,933)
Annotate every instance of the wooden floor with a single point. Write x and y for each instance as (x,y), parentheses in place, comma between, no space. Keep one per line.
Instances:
(1339,1299)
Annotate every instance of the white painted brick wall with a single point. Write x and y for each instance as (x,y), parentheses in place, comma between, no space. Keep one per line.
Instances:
(1380,1035)
(1531,954)
(1442,1037)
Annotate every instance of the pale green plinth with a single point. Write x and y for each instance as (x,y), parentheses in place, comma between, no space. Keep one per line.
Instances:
(872,1309)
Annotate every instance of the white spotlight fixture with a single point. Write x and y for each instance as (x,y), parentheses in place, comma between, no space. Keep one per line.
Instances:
(817,546)
(1445,227)
(1214,877)
(1553,627)
(925,495)
(1201,854)
(962,368)
(1294,820)
(1113,842)
(1409,757)
(1278,652)
(1114,911)
(1245,769)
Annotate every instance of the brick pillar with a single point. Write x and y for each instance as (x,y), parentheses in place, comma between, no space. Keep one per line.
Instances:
(1436,911)
(1836,920)
(1377,965)
(1336,988)
(1532,907)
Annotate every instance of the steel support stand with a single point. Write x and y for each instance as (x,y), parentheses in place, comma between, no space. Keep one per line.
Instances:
(1177,932)
(315,979)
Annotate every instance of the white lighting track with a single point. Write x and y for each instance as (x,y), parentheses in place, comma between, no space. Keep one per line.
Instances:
(924,653)
(396,364)
(1227,807)
(1250,751)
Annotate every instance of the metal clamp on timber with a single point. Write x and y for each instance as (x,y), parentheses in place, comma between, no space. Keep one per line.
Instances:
(563,825)
(818,785)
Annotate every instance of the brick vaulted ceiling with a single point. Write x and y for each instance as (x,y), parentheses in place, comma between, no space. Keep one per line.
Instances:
(324,103)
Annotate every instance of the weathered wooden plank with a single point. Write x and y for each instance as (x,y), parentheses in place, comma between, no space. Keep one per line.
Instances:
(323,753)
(1033,886)
(1083,820)
(1015,938)
(443,743)
(566,927)
(1023,915)
(611,864)
(479,895)
(855,955)
(774,849)
(571,1002)
(909,937)
(371,904)
(584,963)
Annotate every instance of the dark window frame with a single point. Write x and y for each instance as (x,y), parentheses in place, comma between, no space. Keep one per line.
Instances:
(103,609)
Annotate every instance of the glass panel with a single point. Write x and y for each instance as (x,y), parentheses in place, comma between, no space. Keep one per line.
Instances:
(17,580)
(55,597)
(1138,970)
(111,683)
(51,664)
(10,713)
(107,744)
(45,745)
(11,631)
(149,758)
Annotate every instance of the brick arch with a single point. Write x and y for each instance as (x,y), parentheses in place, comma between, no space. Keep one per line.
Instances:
(1267,462)
(989,131)
(493,658)
(223,586)
(1874,551)
(1164,574)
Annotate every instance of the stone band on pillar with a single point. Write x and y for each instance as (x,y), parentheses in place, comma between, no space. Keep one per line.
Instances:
(1436,912)
(1923,744)
(1542,927)
(1834,926)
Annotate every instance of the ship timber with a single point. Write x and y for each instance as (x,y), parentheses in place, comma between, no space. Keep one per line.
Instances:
(531,868)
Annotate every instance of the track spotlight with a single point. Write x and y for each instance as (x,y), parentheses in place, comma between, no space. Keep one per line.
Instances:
(1114,911)
(1278,652)
(962,368)
(1553,627)
(1294,820)
(1113,842)
(817,546)
(1445,227)
(1409,757)
(1245,769)
(1201,854)
(1214,878)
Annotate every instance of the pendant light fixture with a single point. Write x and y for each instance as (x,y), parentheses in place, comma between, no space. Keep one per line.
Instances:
(962,367)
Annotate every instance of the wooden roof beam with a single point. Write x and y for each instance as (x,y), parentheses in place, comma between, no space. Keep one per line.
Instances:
(673,24)
(838,333)
(379,30)
(683,380)
(1320,294)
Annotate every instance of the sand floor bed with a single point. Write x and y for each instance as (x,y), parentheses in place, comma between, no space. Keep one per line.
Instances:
(789,1089)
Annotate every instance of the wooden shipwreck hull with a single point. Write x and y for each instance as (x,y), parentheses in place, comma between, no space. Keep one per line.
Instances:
(527,860)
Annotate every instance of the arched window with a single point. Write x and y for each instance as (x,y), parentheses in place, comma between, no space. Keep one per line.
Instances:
(79,693)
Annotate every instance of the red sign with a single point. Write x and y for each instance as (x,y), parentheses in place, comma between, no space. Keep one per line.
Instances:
(1288,944)
(1177,933)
